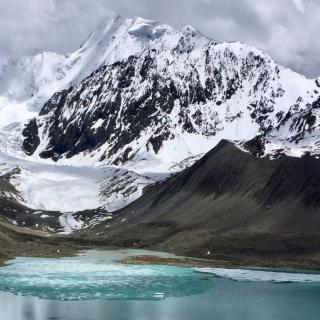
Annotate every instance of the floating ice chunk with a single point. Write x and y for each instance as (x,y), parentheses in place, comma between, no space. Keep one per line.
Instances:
(260,275)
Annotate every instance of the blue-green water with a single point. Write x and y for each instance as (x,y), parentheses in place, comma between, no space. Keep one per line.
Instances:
(93,287)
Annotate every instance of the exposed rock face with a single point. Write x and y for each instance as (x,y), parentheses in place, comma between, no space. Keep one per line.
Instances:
(32,133)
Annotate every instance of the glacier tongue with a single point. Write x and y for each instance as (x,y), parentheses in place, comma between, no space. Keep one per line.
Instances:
(69,189)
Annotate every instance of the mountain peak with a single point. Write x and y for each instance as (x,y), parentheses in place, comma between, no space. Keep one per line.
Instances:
(107,26)
(109,20)
(149,29)
(139,20)
(190,30)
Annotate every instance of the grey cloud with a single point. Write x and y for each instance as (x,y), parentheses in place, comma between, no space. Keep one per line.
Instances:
(286,29)
(57,25)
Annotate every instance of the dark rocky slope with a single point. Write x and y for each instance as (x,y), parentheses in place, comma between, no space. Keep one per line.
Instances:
(17,241)
(229,205)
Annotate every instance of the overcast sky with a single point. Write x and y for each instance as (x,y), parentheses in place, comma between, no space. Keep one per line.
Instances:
(287,29)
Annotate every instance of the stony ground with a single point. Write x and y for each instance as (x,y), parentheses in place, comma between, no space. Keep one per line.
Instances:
(17,241)
(193,262)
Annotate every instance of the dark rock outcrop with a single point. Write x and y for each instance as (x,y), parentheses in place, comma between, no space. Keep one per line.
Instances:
(32,141)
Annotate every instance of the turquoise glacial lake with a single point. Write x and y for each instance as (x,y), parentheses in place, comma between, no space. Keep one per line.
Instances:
(93,286)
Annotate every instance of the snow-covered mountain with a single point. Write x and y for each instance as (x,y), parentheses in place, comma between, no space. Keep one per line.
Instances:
(35,79)
(25,85)
(145,100)
(163,95)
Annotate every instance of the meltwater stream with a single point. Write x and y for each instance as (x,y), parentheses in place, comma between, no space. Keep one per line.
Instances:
(95,287)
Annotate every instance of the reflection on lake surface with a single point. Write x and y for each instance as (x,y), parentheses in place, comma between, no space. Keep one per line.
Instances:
(93,287)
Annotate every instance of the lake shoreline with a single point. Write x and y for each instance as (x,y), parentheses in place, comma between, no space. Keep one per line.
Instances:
(189,262)
(234,251)
(60,250)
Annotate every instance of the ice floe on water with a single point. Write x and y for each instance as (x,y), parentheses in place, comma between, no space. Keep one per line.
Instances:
(261,275)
